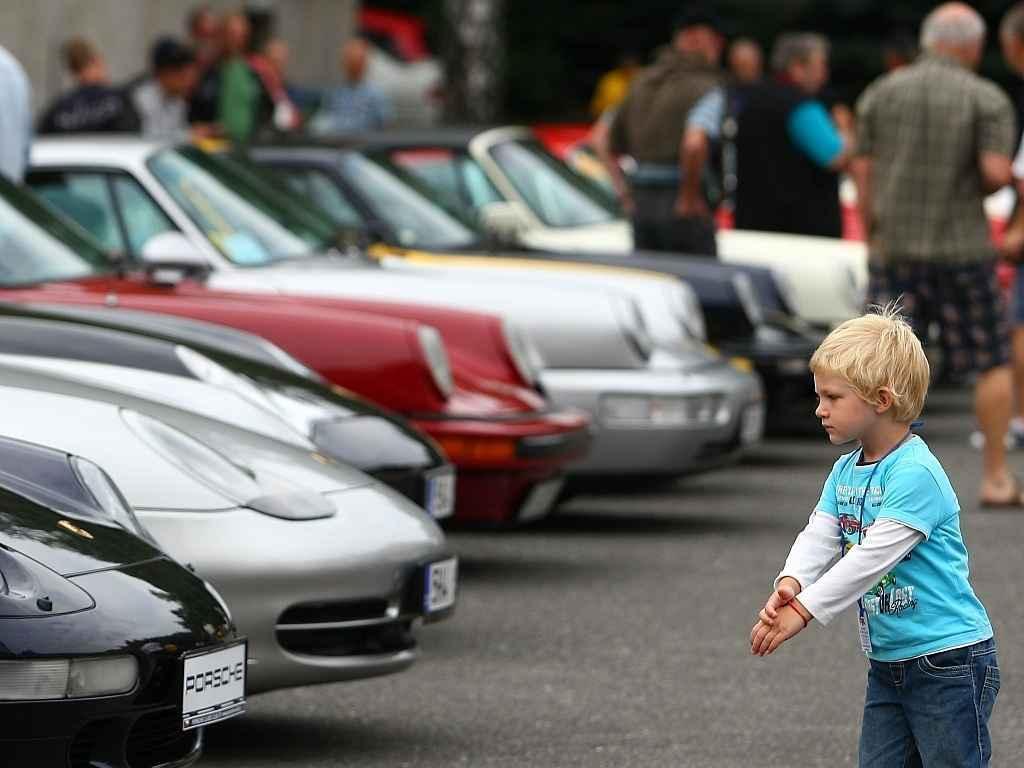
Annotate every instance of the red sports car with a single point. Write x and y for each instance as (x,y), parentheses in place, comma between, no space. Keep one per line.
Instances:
(507,447)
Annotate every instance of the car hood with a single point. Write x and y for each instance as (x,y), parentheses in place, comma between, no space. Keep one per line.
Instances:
(136,388)
(97,431)
(54,529)
(670,310)
(571,327)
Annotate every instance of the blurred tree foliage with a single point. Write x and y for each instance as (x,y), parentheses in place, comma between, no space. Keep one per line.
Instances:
(557,49)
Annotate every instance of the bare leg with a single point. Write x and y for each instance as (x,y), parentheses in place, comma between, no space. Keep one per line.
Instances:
(993,405)
(1018,370)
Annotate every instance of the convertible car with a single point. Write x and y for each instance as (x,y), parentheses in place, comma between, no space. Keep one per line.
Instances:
(491,435)
(324,570)
(106,645)
(653,413)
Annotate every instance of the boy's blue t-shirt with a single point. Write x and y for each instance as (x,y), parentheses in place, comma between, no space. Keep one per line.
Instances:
(926,603)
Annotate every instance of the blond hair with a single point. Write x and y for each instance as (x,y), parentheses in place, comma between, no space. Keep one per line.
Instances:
(878,351)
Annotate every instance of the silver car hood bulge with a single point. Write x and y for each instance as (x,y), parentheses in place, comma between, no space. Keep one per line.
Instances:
(58,414)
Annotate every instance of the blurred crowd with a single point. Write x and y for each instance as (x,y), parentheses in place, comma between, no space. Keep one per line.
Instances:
(214,81)
(924,144)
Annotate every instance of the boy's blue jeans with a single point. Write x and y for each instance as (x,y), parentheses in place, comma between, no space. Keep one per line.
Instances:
(931,711)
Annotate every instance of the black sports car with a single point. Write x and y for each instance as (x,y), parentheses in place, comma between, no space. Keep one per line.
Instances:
(341,425)
(111,654)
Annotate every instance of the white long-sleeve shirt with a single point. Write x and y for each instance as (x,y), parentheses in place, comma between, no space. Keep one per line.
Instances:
(827,591)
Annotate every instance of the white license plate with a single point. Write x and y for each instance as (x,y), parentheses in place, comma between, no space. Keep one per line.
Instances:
(752,424)
(441,493)
(440,587)
(213,688)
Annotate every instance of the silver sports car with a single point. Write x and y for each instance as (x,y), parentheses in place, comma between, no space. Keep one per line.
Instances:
(325,570)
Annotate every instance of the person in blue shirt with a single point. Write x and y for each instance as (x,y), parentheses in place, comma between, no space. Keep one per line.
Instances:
(357,106)
(785,132)
(891,517)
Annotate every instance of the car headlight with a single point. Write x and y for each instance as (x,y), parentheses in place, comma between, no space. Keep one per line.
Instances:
(432,346)
(524,353)
(302,411)
(288,362)
(44,679)
(631,321)
(195,458)
(211,372)
(108,497)
(748,298)
(687,310)
(283,500)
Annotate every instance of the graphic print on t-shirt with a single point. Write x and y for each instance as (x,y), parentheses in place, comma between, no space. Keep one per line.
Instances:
(887,596)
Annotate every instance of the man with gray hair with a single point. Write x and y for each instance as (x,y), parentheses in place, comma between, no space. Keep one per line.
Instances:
(933,139)
(785,133)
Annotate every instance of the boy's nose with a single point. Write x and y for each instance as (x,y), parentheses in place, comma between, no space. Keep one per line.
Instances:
(820,412)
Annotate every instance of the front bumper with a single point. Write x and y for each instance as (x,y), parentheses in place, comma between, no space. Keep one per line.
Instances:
(147,609)
(106,731)
(695,418)
(319,600)
(507,470)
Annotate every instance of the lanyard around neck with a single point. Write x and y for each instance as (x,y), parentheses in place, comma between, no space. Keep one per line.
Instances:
(871,476)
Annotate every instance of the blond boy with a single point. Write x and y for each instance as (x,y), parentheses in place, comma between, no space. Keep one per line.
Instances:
(890,515)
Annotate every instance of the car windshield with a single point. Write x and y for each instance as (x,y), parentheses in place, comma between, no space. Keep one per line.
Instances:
(245,218)
(39,246)
(557,195)
(398,201)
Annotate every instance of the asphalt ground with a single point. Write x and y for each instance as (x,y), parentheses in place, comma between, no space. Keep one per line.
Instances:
(616,634)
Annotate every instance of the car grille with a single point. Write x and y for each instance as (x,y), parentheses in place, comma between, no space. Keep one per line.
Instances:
(347,627)
(157,738)
(391,637)
(338,611)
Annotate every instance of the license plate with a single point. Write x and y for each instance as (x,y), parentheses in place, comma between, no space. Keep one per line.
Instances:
(213,688)
(752,424)
(441,493)
(540,500)
(440,585)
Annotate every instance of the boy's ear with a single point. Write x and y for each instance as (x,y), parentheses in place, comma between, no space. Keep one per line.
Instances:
(885,400)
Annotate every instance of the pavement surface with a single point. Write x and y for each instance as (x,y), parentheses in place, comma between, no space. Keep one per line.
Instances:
(616,634)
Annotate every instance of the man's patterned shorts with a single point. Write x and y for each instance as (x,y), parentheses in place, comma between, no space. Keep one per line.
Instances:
(962,301)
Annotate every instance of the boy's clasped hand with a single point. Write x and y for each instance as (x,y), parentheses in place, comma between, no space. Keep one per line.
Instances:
(779,619)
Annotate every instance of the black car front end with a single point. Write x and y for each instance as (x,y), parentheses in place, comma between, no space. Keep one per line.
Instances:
(96,629)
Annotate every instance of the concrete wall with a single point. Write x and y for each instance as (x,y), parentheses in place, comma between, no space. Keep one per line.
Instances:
(33,31)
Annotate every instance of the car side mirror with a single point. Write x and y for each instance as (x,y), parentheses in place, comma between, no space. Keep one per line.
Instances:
(503,220)
(170,257)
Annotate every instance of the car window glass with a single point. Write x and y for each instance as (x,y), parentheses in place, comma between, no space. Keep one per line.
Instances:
(480,189)
(436,168)
(38,245)
(320,189)
(84,197)
(557,195)
(142,218)
(413,218)
(229,213)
